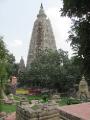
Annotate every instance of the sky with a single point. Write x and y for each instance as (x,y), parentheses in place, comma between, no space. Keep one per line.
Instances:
(17,19)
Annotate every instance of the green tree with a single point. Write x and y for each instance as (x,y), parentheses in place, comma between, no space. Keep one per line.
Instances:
(53,69)
(3,64)
(7,62)
(79,12)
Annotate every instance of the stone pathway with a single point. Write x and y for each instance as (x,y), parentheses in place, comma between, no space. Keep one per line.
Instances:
(81,111)
(11,116)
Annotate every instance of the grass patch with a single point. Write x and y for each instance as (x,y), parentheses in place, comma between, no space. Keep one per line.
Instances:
(34,98)
(7,108)
(12,108)
(71,101)
(35,107)
(68,101)
(63,101)
(17,98)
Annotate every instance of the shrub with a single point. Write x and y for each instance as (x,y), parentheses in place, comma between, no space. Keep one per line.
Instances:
(72,101)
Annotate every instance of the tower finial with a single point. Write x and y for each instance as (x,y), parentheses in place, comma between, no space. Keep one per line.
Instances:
(41,12)
(41,6)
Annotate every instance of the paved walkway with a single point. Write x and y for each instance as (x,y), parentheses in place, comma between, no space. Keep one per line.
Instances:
(81,111)
(11,116)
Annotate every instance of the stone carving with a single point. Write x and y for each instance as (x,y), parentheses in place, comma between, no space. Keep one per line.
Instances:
(83,89)
(42,36)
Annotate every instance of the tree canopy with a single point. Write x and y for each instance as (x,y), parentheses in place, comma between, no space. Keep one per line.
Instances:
(79,12)
(53,69)
(7,61)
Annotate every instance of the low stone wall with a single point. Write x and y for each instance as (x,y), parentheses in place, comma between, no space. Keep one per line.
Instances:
(67,116)
(75,112)
(25,112)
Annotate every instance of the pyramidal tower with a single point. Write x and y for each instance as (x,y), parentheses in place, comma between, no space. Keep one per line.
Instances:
(21,65)
(42,36)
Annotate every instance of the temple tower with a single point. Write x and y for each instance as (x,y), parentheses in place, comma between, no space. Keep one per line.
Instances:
(21,70)
(21,65)
(42,36)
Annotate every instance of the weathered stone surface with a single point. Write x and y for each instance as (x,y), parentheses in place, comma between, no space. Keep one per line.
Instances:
(55,98)
(42,36)
(24,101)
(75,112)
(25,112)
(49,116)
(83,89)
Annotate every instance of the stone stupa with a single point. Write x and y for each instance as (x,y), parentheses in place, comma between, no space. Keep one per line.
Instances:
(83,89)
(42,36)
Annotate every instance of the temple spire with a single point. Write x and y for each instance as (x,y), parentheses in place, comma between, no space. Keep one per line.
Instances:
(41,12)
(42,37)
(21,65)
(41,6)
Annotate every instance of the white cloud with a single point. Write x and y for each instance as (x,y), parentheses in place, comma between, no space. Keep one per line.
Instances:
(61,26)
(16,43)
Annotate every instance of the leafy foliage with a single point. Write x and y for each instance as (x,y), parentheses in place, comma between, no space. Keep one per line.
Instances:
(75,8)
(79,12)
(53,69)
(7,66)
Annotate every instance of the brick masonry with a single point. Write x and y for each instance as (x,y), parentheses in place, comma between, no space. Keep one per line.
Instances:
(25,112)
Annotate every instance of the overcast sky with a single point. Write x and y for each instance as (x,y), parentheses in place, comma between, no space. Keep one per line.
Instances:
(16,22)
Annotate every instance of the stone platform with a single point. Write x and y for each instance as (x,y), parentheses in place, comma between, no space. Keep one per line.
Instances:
(75,112)
(25,112)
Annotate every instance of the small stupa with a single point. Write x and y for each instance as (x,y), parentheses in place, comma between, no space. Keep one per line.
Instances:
(83,88)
